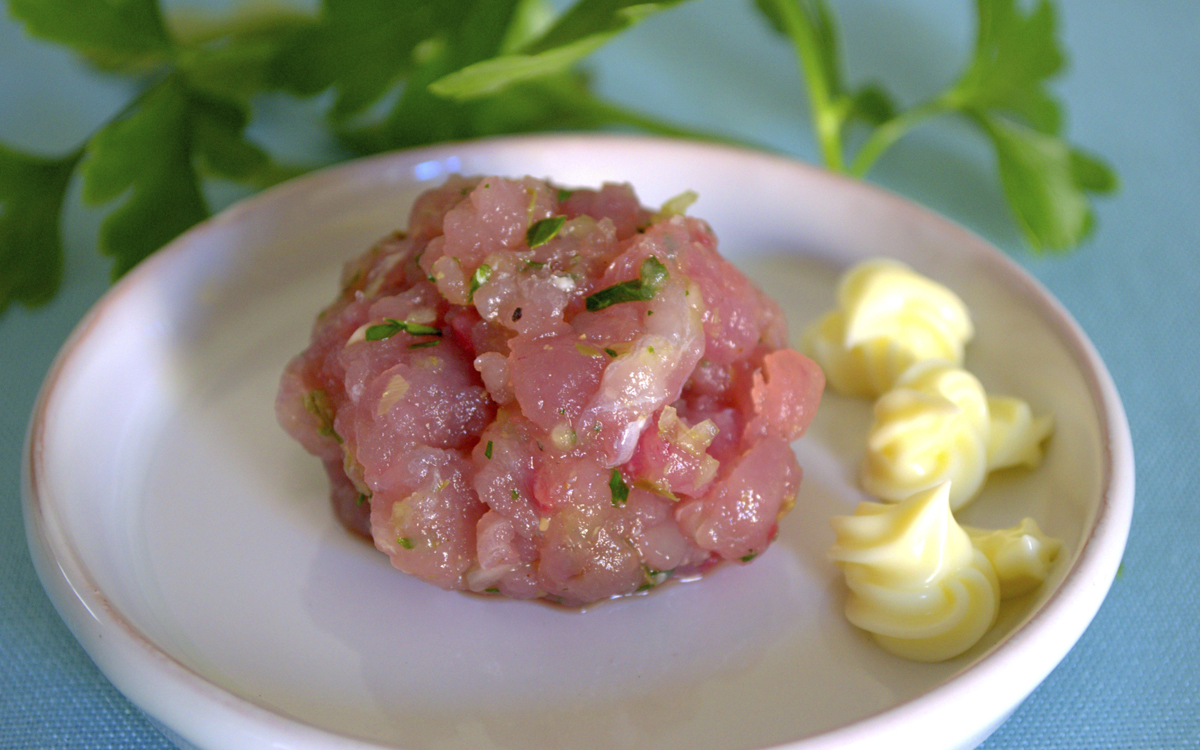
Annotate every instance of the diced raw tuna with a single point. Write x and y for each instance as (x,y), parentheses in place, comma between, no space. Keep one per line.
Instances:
(550,393)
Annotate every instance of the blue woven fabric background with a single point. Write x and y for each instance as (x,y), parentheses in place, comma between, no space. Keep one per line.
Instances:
(1133,95)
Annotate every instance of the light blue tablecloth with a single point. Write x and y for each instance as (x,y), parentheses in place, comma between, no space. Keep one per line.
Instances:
(1133,94)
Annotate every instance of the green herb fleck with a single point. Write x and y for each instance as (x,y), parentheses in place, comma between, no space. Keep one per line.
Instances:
(652,276)
(488,450)
(543,231)
(404,542)
(533,265)
(564,194)
(362,498)
(317,404)
(620,490)
(491,590)
(749,557)
(516,495)
(478,279)
(423,344)
(610,352)
(391,327)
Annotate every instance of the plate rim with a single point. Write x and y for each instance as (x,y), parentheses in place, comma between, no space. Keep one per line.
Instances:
(1060,620)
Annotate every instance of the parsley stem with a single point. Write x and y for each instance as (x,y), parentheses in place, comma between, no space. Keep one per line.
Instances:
(826,118)
(882,138)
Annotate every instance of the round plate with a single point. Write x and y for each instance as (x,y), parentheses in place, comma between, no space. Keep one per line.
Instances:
(189,545)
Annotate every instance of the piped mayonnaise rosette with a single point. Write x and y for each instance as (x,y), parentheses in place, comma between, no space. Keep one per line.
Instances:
(1022,555)
(937,425)
(887,317)
(916,582)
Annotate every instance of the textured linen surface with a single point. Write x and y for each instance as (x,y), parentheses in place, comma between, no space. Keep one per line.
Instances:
(1133,94)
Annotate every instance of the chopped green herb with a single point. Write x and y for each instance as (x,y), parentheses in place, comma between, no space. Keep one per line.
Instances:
(650,349)
(610,352)
(516,495)
(749,557)
(488,450)
(620,490)
(423,344)
(317,404)
(564,194)
(653,275)
(478,279)
(649,313)
(645,587)
(391,327)
(543,231)
(533,265)
(404,542)
(491,590)
(362,498)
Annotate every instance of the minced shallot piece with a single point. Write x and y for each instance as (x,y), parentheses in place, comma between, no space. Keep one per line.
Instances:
(541,392)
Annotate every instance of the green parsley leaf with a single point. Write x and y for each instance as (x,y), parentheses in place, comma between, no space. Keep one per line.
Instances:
(1046,183)
(478,279)
(610,352)
(390,327)
(653,276)
(363,48)
(1014,55)
(488,450)
(541,232)
(31,197)
(145,155)
(491,590)
(119,30)
(749,557)
(423,344)
(564,195)
(620,490)
(235,56)
(362,498)
(584,28)
(405,542)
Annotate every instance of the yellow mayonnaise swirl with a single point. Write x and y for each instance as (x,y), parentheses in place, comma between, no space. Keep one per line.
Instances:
(1022,556)
(939,425)
(887,318)
(916,582)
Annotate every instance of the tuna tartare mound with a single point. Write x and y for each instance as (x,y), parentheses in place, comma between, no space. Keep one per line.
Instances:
(541,392)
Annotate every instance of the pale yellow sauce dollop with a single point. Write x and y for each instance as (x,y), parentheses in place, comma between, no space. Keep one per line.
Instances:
(939,425)
(1022,555)
(916,582)
(887,318)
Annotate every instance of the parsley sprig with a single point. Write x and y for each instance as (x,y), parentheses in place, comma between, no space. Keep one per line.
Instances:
(461,69)
(464,69)
(1001,91)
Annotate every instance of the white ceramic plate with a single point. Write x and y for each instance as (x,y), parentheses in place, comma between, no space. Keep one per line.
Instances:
(188,543)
